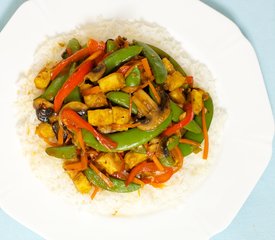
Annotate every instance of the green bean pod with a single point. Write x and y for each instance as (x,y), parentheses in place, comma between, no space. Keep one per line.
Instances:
(64,152)
(121,99)
(111,45)
(74,96)
(133,78)
(167,161)
(120,56)
(73,45)
(158,68)
(57,84)
(163,54)
(198,137)
(119,185)
(128,139)
(54,87)
(176,112)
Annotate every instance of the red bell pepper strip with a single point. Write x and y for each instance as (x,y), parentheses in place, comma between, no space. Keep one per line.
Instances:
(82,53)
(160,178)
(92,46)
(156,177)
(71,119)
(188,118)
(75,79)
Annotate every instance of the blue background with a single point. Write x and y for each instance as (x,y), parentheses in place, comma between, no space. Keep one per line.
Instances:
(256,219)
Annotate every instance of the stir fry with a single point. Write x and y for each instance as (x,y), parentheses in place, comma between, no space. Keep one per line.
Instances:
(120,114)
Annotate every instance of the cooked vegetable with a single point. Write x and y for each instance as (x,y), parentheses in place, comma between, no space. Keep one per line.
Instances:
(163,55)
(120,114)
(120,56)
(155,62)
(121,99)
(133,79)
(119,185)
(64,152)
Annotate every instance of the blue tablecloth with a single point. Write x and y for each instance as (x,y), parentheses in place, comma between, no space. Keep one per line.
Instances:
(256,219)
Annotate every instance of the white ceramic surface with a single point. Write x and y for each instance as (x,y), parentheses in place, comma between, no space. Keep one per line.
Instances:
(207,36)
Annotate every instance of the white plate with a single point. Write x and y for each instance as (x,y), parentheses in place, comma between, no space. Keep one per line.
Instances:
(207,36)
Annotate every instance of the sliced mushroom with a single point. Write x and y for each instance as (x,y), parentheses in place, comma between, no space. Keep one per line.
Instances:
(79,107)
(153,113)
(44,109)
(96,73)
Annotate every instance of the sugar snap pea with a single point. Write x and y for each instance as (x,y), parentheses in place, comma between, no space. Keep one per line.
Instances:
(176,112)
(155,62)
(57,83)
(120,56)
(119,185)
(111,45)
(163,54)
(121,99)
(65,152)
(198,137)
(128,139)
(73,45)
(133,79)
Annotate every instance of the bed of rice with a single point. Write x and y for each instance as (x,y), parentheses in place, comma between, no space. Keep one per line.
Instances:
(49,170)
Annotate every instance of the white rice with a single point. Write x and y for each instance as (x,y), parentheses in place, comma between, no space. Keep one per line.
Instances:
(49,170)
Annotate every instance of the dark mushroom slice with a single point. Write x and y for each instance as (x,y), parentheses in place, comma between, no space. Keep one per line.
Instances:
(154,114)
(44,109)
(96,73)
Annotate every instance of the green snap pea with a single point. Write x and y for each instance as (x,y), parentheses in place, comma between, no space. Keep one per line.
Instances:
(172,142)
(128,139)
(54,87)
(75,95)
(155,62)
(120,56)
(167,161)
(111,45)
(133,78)
(163,54)
(57,83)
(64,152)
(198,137)
(121,99)
(119,185)
(176,112)
(73,45)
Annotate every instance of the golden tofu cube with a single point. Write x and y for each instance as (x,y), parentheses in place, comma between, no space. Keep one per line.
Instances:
(168,65)
(80,181)
(96,100)
(45,130)
(197,100)
(177,96)
(100,117)
(120,115)
(43,78)
(174,81)
(132,159)
(112,82)
(110,162)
